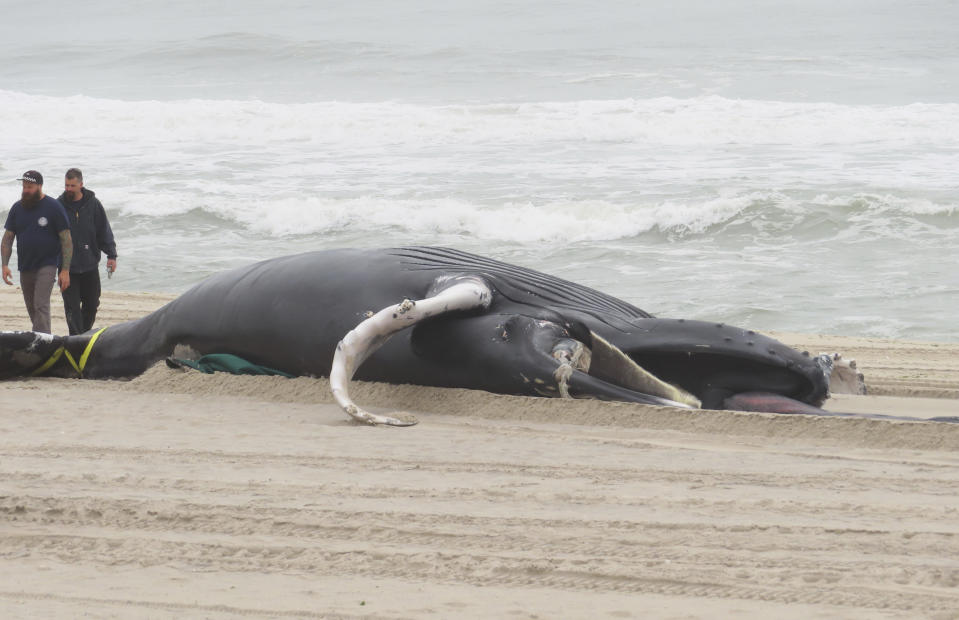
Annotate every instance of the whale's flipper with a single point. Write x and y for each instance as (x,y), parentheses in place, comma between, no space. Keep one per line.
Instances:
(459,294)
(25,353)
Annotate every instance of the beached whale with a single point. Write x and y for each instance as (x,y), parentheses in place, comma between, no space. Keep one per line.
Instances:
(447,318)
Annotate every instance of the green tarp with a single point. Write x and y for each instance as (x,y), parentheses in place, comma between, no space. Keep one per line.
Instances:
(224,362)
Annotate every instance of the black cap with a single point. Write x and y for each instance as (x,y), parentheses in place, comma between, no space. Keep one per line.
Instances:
(32,176)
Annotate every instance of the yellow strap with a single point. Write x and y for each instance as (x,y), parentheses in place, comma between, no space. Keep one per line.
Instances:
(89,349)
(73,363)
(50,362)
(62,351)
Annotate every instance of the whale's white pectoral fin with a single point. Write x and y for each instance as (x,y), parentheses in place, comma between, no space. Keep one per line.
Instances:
(467,293)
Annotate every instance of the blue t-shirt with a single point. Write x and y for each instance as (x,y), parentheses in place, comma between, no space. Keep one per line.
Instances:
(37,231)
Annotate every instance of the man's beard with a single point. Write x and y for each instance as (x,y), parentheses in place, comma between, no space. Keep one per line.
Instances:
(74,196)
(30,200)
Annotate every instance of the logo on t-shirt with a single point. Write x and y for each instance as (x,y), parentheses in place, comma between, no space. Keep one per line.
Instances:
(42,221)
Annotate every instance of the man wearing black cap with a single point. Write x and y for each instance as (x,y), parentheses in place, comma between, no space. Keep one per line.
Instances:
(42,230)
(92,235)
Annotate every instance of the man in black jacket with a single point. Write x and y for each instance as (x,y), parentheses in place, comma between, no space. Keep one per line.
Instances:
(91,235)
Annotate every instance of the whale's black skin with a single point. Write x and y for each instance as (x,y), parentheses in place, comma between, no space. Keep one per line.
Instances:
(290,312)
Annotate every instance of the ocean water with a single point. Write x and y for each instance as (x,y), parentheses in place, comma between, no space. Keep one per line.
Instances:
(786,165)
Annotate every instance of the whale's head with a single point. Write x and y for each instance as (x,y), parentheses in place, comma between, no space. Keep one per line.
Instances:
(719,363)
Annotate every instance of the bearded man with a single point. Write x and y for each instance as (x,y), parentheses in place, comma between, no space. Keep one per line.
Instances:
(42,230)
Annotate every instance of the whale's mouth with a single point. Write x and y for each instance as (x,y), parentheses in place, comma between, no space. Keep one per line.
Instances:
(710,380)
(723,380)
(769,402)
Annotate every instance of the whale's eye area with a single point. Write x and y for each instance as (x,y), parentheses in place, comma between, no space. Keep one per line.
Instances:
(572,352)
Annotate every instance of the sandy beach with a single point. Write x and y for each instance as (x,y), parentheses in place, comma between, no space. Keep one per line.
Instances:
(184,495)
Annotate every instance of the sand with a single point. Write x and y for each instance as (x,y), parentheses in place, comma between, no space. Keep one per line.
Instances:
(184,495)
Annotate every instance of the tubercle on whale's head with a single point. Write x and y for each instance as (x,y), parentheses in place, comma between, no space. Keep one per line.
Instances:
(23,353)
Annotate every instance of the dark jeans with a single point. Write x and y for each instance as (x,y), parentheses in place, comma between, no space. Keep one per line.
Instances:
(81,300)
